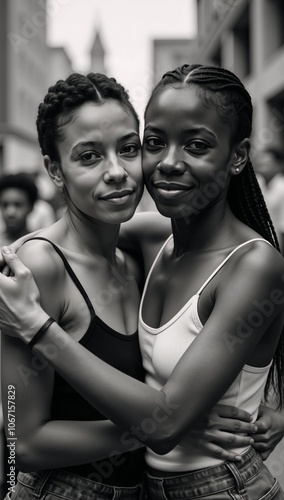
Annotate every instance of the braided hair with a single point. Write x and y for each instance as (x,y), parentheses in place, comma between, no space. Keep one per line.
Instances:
(221,89)
(62,100)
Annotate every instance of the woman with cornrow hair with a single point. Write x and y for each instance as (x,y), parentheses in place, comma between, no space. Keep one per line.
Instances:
(211,315)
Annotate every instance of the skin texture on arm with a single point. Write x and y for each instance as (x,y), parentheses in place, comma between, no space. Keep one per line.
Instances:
(182,402)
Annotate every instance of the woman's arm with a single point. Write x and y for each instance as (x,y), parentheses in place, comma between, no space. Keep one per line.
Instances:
(42,443)
(143,226)
(161,418)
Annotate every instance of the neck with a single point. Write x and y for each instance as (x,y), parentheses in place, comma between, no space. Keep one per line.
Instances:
(90,236)
(208,230)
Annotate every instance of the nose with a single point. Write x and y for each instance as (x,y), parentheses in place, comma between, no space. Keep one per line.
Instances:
(115,172)
(10,210)
(171,163)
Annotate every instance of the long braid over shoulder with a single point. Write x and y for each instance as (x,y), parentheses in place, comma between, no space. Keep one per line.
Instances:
(222,90)
(62,100)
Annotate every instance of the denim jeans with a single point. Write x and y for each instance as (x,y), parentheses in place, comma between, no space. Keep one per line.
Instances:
(61,485)
(249,480)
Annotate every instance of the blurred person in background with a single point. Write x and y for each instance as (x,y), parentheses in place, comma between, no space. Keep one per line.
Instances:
(18,195)
(269,167)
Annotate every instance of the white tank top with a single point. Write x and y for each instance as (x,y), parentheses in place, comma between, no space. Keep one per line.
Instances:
(161,350)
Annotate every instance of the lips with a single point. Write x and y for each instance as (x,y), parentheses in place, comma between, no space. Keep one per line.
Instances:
(171,186)
(117,194)
(171,190)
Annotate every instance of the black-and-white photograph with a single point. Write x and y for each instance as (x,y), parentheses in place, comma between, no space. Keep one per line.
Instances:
(141,249)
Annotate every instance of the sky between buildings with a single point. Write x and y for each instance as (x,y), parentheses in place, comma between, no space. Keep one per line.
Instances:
(127,28)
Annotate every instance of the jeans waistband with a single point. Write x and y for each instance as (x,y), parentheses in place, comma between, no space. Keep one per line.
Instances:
(217,478)
(61,482)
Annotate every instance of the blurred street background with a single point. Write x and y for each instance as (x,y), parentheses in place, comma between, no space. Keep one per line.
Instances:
(136,41)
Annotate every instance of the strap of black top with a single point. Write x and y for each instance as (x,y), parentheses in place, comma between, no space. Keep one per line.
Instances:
(71,274)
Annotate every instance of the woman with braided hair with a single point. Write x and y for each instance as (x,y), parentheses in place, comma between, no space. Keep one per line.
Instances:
(211,314)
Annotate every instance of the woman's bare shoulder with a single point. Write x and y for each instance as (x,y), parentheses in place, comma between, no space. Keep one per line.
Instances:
(40,257)
(263,258)
(258,264)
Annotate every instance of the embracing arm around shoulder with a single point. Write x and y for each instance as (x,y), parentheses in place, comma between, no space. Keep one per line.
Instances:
(43,443)
(204,372)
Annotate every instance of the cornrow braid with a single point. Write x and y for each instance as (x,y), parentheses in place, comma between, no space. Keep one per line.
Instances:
(221,89)
(63,99)
(247,203)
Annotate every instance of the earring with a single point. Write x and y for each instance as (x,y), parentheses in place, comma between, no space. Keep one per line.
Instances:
(237,170)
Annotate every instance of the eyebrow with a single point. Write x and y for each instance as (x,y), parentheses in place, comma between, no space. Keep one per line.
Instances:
(131,135)
(155,129)
(193,130)
(189,131)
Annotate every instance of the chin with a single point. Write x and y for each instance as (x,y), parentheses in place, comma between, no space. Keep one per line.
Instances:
(120,217)
(172,212)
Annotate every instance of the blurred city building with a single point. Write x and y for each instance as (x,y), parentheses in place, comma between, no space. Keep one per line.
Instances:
(97,54)
(23,56)
(28,66)
(247,37)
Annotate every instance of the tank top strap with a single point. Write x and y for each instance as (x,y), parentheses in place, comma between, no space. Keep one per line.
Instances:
(70,272)
(226,259)
(151,269)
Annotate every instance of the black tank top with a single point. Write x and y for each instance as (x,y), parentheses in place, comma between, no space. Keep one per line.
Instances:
(120,351)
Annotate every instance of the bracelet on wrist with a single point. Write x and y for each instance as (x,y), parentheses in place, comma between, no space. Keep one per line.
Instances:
(40,332)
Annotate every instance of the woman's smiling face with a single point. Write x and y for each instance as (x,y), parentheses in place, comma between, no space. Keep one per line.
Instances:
(186,152)
(101,161)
